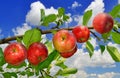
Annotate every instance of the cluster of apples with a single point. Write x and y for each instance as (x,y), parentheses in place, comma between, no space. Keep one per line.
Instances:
(16,53)
(65,41)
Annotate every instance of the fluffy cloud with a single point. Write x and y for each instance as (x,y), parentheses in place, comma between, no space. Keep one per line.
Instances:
(118,1)
(33,16)
(21,30)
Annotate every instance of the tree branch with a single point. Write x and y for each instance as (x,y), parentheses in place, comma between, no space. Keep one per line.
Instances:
(6,40)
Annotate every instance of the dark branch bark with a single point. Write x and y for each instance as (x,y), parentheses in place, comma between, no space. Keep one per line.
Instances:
(6,40)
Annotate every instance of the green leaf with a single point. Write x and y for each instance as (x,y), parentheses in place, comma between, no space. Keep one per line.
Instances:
(10,75)
(105,36)
(42,14)
(61,11)
(116,37)
(2,61)
(48,61)
(49,46)
(30,36)
(102,48)
(115,11)
(114,53)
(67,71)
(49,19)
(61,64)
(90,48)
(65,17)
(87,17)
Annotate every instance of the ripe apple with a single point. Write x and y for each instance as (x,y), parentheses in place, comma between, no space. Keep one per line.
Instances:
(37,52)
(15,53)
(69,54)
(81,33)
(103,23)
(64,41)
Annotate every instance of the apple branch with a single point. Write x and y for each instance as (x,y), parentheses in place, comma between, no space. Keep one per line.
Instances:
(6,40)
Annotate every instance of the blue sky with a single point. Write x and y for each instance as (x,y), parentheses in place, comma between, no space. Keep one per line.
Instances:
(15,19)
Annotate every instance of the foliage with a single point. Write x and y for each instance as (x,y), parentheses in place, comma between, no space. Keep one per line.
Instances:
(43,69)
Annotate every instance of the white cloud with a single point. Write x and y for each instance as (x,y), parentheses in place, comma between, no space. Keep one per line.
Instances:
(21,30)
(76,4)
(118,1)
(33,16)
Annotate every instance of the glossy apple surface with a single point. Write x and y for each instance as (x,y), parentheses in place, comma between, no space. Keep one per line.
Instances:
(81,33)
(64,41)
(69,54)
(37,52)
(103,23)
(15,53)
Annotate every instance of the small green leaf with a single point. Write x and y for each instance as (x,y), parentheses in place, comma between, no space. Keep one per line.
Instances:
(10,75)
(49,46)
(61,11)
(102,48)
(116,37)
(61,64)
(114,53)
(49,19)
(2,61)
(42,14)
(65,17)
(48,61)
(19,40)
(21,65)
(87,17)
(67,71)
(105,36)
(90,48)
(115,11)
(30,36)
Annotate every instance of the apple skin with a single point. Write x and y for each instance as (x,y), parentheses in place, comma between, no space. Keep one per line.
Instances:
(15,53)
(103,23)
(81,33)
(37,52)
(64,41)
(68,54)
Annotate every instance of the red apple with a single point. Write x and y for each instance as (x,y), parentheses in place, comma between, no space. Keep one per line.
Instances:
(81,33)
(37,52)
(103,23)
(15,53)
(64,41)
(69,54)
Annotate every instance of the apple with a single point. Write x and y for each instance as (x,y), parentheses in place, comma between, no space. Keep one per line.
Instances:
(81,33)
(69,54)
(103,23)
(37,52)
(15,53)
(64,41)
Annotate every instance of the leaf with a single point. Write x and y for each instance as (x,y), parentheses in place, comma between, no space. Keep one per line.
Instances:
(65,17)
(87,17)
(2,61)
(114,53)
(42,14)
(49,46)
(10,75)
(90,48)
(30,36)
(61,11)
(48,19)
(105,36)
(48,61)
(102,48)
(61,64)
(67,71)
(116,37)
(115,11)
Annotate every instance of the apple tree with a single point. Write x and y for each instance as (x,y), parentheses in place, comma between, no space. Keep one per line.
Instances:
(28,55)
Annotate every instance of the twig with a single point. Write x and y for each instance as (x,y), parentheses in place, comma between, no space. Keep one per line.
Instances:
(47,74)
(95,35)
(6,40)
(116,31)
